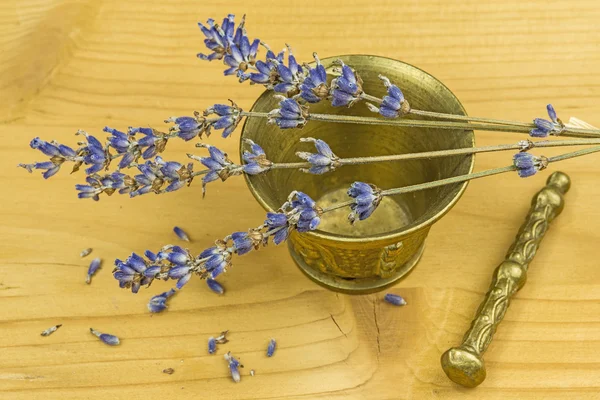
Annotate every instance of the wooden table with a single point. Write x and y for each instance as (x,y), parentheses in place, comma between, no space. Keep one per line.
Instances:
(86,64)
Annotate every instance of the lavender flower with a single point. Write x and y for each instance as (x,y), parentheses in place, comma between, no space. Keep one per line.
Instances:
(93,154)
(323,161)
(256,159)
(265,75)
(125,145)
(215,286)
(234,365)
(212,345)
(94,267)
(106,338)
(235,49)
(217,38)
(219,165)
(366,199)
(158,173)
(156,176)
(158,303)
(244,242)
(528,164)
(290,114)
(346,90)
(290,77)
(188,128)
(50,330)
(271,348)
(300,212)
(217,259)
(107,184)
(228,118)
(181,234)
(394,299)
(314,87)
(394,104)
(544,127)
(135,272)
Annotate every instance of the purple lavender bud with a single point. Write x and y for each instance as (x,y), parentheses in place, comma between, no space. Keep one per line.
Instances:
(366,199)
(242,242)
(215,286)
(110,340)
(183,280)
(158,303)
(394,299)
(233,367)
(181,234)
(346,89)
(314,87)
(290,114)
(94,267)
(150,255)
(212,345)
(528,164)
(323,161)
(552,113)
(271,348)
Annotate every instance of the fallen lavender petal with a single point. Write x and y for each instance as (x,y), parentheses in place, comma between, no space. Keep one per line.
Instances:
(394,299)
(51,330)
(110,340)
(181,234)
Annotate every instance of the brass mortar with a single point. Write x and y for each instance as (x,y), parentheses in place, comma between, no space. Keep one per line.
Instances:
(376,252)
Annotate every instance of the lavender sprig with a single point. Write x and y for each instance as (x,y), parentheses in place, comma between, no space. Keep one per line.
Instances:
(239,54)
(299,213)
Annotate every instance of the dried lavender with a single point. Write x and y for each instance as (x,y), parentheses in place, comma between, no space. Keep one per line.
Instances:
(321,162)
(158,303)
(528,164)
(212,345)
(110,340)
(215,286)
(271,347)
(94,267)
(212,341)
(181,234)
(50,330)
(234,367)
(544,127)
(299,213)
(393,105)
(346,90)
(85,252)
(366,199)
(394,299)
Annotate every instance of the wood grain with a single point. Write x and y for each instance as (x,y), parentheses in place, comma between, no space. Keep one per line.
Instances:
(86,64)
